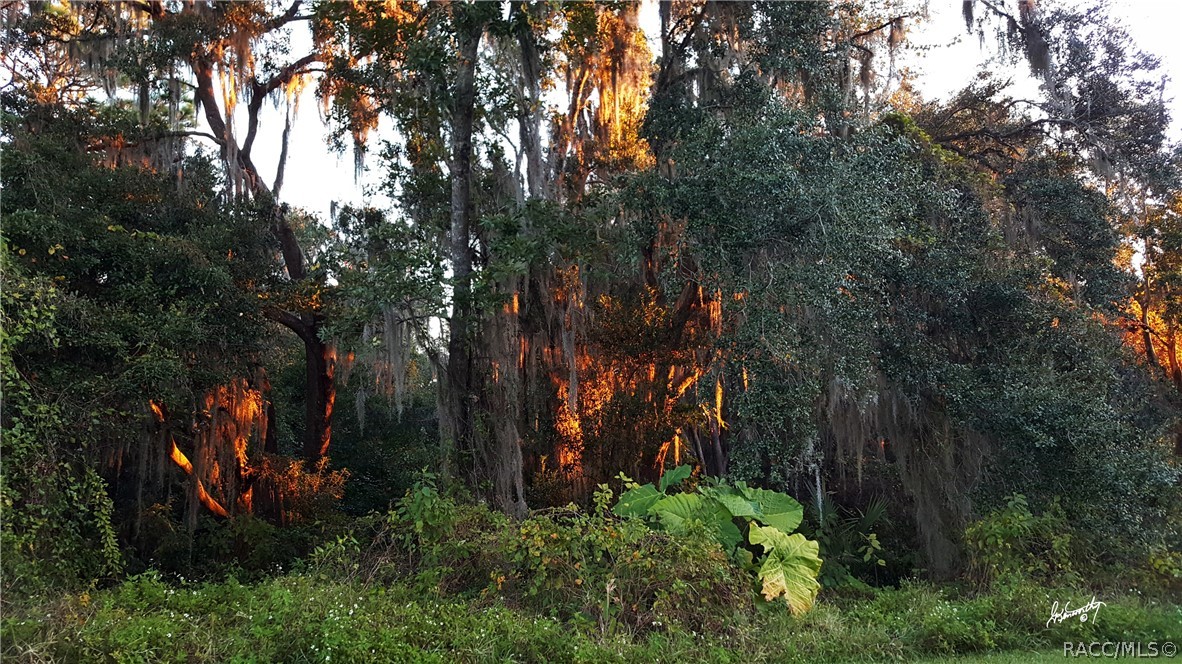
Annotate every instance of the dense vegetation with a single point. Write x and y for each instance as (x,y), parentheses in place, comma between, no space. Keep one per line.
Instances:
(741,350)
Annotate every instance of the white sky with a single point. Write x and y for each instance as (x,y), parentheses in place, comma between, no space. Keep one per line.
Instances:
(315,176)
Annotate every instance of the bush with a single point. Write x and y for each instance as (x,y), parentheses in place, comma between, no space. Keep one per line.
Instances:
(751,525)
(849,543)
(924,619)
(565,563)
(57,514)
(1014,543)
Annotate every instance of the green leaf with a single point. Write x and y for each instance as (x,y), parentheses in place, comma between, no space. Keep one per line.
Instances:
(674,476)
(776,509)
(732,500)
(727,532)
(676,510)
(746,558)
(790,569)
(638,501)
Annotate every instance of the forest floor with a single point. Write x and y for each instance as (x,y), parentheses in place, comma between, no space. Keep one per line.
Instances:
(307,618)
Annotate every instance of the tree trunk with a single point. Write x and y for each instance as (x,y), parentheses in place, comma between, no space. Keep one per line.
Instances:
(320,357)
(530,107)
(320,360)
(501,447)
(491,451)
(1175,371)
(456,424)
(320,389)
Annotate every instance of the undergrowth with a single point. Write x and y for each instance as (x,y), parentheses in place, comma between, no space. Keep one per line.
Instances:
(436,580)
(304,617)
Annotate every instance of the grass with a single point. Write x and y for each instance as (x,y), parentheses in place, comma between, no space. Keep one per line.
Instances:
(306,618)
(1031,657)
(440,582)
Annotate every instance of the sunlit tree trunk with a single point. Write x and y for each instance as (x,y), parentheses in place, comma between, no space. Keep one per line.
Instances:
(320,395)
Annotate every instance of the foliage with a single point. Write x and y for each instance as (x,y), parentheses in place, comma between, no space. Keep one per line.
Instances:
(790,567)
(1013,542)
(308,491)
(849,543)
(751,252)
(589,568)
(300,617)
(1012,616)
(291,619)
(155,274)
(246,547)
(155,285)
(57,513)
(871,296)
(383,449)
(789,564)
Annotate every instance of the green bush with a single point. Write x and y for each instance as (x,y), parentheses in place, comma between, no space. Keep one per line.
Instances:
(246,546)
(58,530)
(849,542)
(594,568)
(751,525)
(1014,542)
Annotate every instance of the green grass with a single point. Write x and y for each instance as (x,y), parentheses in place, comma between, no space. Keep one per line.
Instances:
(441,582)
(1016,657)
(302,618)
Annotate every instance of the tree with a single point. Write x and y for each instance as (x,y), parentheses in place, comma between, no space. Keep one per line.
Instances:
(235,42)
(131,291)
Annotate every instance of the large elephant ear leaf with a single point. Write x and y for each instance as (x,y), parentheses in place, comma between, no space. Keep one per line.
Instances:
(776,509)
(726,531)
(733,500)
(674,476)
(677,510)
(790,567)
(637,501)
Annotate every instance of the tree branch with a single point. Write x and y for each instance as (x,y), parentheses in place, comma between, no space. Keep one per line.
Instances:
(285,18)
(275,189)
(260,91)
(876,28)
(287,319)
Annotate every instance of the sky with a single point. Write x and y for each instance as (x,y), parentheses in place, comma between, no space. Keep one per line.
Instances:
(316,176)
(1151,24)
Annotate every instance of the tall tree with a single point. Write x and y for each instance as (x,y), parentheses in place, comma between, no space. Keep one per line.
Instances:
(229,47)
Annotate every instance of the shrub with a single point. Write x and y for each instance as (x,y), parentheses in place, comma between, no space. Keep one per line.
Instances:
(752,525)
(300,492)
(849,542)
(58,530)
(566,563)
(1014,542)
